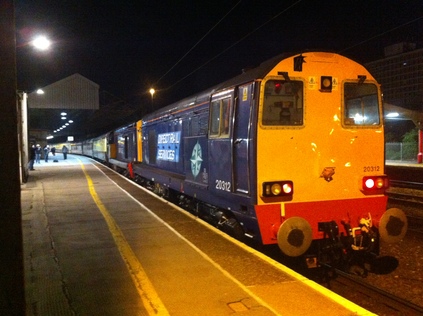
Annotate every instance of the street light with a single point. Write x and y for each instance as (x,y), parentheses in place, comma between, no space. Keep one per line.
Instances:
(152,91)
(41,42)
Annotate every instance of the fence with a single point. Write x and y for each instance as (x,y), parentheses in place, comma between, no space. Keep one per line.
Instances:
(401,151)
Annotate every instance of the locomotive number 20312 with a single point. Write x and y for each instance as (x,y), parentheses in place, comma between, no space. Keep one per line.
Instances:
(371,168)
(223,185)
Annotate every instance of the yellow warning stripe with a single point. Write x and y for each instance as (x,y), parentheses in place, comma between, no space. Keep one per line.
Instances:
(148,294)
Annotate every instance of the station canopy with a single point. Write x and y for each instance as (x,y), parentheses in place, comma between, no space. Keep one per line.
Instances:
(79,100)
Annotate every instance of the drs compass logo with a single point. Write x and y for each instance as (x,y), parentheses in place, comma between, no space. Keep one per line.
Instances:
(196,160)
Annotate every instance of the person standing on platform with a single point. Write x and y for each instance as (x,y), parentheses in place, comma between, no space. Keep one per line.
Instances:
(37,153)
(65,152)
(53,150)
(31,157)
(46,151)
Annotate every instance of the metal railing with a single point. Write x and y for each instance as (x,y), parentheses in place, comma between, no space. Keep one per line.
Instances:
(401,151)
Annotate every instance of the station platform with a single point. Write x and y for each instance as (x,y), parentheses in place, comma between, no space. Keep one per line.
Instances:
(403,163)
(96,243)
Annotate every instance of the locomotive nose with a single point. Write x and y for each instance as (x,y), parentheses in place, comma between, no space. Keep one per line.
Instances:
(393,225)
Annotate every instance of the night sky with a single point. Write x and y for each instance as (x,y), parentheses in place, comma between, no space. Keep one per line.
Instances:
(182,47)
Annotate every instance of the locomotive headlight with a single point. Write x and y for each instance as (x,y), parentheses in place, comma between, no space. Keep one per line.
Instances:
(375,184)
(278,189)
(287,188)
(369,184)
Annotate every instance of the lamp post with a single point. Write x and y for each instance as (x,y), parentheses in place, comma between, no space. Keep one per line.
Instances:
(22,110)
(40,43)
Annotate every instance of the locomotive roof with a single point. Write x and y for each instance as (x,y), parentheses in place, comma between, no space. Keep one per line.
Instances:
(255,73)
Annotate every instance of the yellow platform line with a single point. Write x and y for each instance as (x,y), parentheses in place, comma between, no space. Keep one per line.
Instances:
(145,288)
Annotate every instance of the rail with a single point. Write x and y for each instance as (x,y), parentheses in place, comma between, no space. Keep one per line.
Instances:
(382,302)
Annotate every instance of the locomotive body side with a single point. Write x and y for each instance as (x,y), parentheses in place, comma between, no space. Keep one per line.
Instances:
(201,149)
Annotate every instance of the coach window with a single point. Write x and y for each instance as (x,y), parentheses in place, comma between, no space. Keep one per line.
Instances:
(361,104)
(283,103)
(220,113)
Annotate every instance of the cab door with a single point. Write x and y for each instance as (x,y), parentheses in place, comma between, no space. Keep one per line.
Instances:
(241,139)
(220,142)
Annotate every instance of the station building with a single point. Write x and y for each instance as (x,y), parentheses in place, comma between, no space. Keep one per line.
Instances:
(400,73)
(72,109)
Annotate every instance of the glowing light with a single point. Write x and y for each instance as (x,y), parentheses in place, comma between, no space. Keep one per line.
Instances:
(287,188)
(359,118)
(392,114)
(276,189)
(41,43)
(370,183)
(40,91)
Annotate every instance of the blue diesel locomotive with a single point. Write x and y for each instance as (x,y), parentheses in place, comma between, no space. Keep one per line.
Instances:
(289,153)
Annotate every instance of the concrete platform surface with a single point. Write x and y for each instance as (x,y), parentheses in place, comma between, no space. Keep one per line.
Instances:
(97,244)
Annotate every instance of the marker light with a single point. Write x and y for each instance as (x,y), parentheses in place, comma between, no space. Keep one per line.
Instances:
(326,83)
(375,184)
(278,189)
(370,184)
(278,87)
(287,188)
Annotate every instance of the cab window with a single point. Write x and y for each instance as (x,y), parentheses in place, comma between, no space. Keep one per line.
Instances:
(283,103)
(220,113)
(361,105)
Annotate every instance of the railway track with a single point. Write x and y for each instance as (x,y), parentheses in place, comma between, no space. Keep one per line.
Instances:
(405,197)
(410,195)
(407,184)
(372,298)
